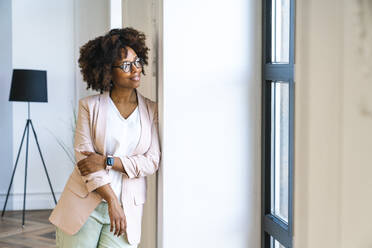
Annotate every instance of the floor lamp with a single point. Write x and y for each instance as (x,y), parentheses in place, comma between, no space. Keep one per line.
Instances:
(28,86)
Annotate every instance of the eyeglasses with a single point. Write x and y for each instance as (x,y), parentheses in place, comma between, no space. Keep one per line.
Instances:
(126,66)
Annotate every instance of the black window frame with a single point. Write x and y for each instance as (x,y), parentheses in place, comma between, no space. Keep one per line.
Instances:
(271,225)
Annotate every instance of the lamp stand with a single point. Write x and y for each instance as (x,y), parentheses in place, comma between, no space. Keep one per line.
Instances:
(27,128)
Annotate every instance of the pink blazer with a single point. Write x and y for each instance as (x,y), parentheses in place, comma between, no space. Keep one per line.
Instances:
(78,198)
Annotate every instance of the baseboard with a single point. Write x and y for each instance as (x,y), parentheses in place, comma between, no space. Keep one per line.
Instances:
(33,201)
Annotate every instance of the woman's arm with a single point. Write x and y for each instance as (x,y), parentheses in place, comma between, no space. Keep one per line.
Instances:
(132,166)
(118,221)
(83,142)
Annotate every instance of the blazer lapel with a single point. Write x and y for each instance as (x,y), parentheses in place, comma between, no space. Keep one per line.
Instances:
(145,125)
(100,128)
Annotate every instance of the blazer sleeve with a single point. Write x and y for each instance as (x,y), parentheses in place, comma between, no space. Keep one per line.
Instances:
(148,163)
(83,142)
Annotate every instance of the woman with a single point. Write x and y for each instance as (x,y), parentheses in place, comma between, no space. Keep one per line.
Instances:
(116,147)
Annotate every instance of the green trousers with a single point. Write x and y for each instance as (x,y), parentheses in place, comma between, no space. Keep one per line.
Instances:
(95,233)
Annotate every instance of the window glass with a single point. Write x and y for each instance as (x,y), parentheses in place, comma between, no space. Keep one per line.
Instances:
(275,244)
(279,149)
(280,31)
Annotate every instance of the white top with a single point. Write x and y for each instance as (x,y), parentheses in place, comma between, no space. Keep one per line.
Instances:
(122,137)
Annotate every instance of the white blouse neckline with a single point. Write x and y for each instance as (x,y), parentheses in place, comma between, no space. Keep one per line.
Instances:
(118,112)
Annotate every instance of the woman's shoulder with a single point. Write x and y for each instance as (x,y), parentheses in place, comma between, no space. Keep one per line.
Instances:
(89,99)
(152,108)
(152,105)
(92,100)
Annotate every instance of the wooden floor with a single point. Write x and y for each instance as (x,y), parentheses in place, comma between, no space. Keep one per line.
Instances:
(37,232)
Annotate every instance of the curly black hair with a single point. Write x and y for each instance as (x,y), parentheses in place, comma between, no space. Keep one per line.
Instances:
(98,55)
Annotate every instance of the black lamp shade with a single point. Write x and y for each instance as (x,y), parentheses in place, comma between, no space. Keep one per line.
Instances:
(29,86)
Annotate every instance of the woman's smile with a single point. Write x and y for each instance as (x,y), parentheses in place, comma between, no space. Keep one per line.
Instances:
(136,77)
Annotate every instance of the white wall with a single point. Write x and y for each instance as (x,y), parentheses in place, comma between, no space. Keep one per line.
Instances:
(116,14)
(43,39)
(318,124)
(356,200)
(92,19)
(6,110)
(209,184)
(333,124)
(47,35)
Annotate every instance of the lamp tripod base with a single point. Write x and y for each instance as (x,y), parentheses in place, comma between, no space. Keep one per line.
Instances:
(27,129)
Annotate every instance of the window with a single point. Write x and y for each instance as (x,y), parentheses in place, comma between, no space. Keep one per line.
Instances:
(277,123)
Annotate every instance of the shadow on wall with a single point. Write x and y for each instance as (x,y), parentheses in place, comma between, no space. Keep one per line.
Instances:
(363,21)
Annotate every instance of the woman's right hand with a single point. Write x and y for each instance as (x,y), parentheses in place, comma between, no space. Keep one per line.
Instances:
(117,217)
(116,212)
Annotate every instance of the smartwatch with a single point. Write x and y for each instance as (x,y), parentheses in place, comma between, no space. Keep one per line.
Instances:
(109,162)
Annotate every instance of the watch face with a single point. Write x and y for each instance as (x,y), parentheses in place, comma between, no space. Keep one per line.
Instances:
(110,161)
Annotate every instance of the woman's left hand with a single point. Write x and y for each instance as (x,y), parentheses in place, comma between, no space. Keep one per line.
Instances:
(94,162)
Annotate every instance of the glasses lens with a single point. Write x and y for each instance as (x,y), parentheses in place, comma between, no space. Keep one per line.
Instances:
(126,67)
(138,63)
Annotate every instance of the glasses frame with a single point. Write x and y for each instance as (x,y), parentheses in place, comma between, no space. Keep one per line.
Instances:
(130,63)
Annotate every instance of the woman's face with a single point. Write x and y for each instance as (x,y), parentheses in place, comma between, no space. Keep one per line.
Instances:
(129,79)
